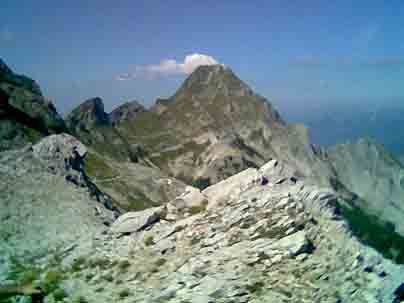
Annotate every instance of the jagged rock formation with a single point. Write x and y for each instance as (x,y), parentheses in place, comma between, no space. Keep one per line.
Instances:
(126,112)
(25,115)
(121,169)
(215,126)
(92,125)
(375,176)
(275,239)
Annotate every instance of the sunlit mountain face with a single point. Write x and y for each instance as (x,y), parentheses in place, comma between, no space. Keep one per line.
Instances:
(201,151)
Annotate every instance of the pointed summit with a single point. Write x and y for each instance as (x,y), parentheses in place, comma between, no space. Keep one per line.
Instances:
(126,112)
(208,81)
(88,115)
(4,69)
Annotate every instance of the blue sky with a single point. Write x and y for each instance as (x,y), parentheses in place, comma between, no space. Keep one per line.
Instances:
(298,54)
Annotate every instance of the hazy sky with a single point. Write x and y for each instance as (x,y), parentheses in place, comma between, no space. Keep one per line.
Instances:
(296,53)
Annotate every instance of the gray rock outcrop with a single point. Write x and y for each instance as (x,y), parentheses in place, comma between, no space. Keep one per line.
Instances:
(283,241)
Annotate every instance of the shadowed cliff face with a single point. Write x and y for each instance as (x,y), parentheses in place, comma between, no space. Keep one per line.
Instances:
(25,114)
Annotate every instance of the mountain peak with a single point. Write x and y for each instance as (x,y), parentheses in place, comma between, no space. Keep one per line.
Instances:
(211,80)
(90,113)
(126,112)
(4,68)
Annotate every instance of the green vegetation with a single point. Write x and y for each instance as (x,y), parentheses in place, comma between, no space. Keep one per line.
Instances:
(255,287)
(108,277)
(124,265)
(160,262)
(136,200)
(375,233)
(95,166)
(102,263)
(124,293)
(59,294)
(196,209)
(78,264)
(33,135)
(79,299)
(89,276)
(51,281)
(195,240)
(21,272)
(146,123)
(149,240)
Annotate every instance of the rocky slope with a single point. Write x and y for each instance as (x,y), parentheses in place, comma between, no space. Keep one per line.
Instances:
(215,126)
(93,126)
(375,176)
(260,236)
(119,168)
(25,115)
(47,201)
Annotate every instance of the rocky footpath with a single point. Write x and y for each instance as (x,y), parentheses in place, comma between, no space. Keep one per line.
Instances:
(261,236)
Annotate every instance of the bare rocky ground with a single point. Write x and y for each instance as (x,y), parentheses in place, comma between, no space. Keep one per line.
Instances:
(259,236)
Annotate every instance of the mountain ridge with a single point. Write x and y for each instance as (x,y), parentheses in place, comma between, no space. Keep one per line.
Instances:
(277,220)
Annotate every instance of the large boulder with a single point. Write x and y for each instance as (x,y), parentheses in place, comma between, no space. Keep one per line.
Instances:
(223,191)
(136,221)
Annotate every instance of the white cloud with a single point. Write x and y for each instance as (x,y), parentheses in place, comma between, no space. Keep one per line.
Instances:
(191,62)
(169,67)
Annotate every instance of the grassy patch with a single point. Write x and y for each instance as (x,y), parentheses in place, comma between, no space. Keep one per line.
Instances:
(78,264)
(255,287)
(59,294)
(160,262)
(23,273)
(124,265)
(108,277)
(51,281)
(370,230)
(149,241)
(124,293)
(95,166)
(196,209)
(102,263)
